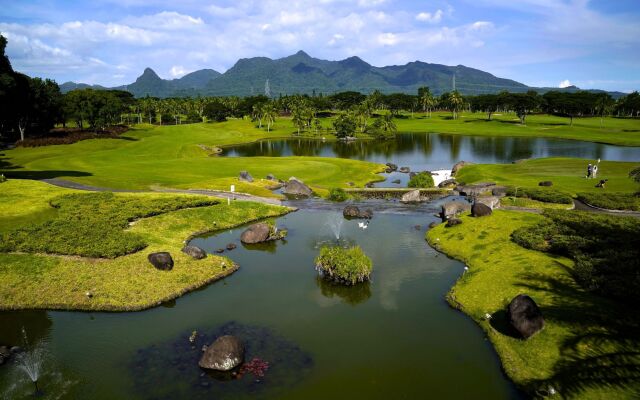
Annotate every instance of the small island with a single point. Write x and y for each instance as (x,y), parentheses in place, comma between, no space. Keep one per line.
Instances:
(348,266)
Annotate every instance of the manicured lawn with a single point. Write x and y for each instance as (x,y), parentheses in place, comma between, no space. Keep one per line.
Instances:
(530,203)
(619,131)
(581,350)
(567,175)
(124,283)
(170,156)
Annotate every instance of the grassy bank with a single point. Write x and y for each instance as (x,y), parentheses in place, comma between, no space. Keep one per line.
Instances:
(618,131)
(179,157)
(567,175)
(124,283)
(581,328)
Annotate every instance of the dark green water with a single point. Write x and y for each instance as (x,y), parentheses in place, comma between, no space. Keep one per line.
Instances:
(393,338)
(420,151)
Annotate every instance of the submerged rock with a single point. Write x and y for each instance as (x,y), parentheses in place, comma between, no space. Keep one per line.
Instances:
(480,209)
(161,260)
(404,170)
(231,246)
(245,176)
(226,353)
(296,187)
(525,316)
(195,252)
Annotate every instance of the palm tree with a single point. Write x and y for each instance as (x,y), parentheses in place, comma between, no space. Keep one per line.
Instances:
(428,102)
(603,106)
(456,102)
(269,113)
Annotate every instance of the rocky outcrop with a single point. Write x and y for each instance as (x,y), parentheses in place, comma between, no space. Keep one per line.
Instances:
(224,354)
(525,316)
(479,209)
(161,260)
(448,183)
(245,176)
(411,197)
(391,167)
(195,252)
(451,209)
(492,202)
(453,222)
(353,212)
(458,166)
(475,189)
(297,188)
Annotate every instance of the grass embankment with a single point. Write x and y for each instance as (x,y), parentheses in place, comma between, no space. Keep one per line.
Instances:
(618,131)
(567,175)
(179,156)
(579,327)
(125,283)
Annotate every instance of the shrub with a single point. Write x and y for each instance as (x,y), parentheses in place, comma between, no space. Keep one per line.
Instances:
(635,174)
(612,201)
(544,195)
(2,178)
(603,247)
(346,266)
(92,225)
(337,194)
(421,180)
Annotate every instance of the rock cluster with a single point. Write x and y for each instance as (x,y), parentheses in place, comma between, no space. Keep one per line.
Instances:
(353,212)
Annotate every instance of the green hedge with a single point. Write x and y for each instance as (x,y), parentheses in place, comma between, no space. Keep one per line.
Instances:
(93,224)
(604,248)
(544,195)
(612,201)
(348,266)
(421,180)
(337,194)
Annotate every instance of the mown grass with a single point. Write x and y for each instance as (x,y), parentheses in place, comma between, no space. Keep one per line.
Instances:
(525,202)
(581,350)
(173,156)
(618,131)
(124,283)
(567,175)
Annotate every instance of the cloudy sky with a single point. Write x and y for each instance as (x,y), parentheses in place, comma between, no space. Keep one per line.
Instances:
(592,44)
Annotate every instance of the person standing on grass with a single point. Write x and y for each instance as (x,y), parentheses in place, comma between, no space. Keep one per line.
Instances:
(594,173)
(589,170)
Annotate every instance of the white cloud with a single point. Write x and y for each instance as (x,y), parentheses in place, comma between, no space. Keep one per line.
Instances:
(177,71)
(565,83)
(388,39)
(429,17)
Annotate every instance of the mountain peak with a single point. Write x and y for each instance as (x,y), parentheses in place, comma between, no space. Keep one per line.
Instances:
(301,53)
(149,73)
(354,62)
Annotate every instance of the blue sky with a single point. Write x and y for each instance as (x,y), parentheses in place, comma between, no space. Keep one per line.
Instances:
(592,44)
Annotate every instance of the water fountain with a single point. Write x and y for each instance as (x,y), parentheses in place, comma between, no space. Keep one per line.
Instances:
(335,224)
(30,361)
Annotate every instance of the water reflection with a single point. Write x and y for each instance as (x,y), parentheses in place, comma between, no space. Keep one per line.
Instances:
(352,295)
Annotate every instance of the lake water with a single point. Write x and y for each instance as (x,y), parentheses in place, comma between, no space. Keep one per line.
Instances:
(394,337)
(432,151)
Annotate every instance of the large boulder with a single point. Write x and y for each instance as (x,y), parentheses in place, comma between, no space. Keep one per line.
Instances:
(352,211)
(226,353)
(476,189)
(245,176)
(391,167)
(161,260)
(492,202)
(453,222)
(480,210)
(296,187)
(411,197)
(447,183)
(458,166)
(195,252)
(545,183)
(525,316)
(453,208)
(256,233)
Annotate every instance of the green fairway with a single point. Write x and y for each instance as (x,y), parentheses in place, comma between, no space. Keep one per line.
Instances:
(130,282)
(580,327)
(619,131)
(172,156)
(567,175)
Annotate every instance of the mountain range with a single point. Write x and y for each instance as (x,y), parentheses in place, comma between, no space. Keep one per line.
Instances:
(301,73)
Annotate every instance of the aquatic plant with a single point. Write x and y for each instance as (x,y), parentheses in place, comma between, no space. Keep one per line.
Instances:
(257,367)
(347,266)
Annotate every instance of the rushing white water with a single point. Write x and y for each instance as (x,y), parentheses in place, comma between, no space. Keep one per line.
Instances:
(440,175)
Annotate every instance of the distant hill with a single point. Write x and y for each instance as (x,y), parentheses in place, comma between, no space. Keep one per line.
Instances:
(301,73)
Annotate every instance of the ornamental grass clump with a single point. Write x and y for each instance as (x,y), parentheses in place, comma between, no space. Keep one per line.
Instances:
(346,266)
(421,180)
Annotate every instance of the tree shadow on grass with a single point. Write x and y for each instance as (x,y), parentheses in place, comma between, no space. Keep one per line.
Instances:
(604,350)
(13,171)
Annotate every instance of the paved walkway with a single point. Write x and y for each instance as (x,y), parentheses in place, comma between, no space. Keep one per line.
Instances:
(214,193)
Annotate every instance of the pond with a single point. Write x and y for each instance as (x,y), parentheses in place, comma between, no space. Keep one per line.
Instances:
(394,337)
(432,151)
